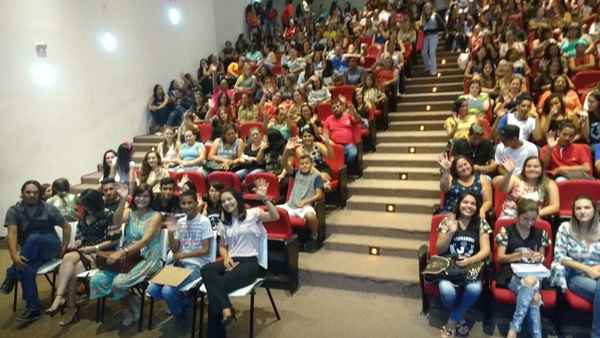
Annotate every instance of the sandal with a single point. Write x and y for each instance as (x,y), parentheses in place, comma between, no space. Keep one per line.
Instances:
(447,332)
(72,318)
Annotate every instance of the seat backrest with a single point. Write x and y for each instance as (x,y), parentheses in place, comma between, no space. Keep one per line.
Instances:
(539,223)
(433,233)
(270,178)
(586,79)
(228,179)
(569,190)
(205,130)
(277,70)
(324,110)
(369,61)
(346,90)
(197,179)
(373,51)
(246,127)
(499,198)
(282,226)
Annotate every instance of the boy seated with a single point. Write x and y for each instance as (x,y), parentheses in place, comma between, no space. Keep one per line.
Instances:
(564,159)
(189,240)
(308,188)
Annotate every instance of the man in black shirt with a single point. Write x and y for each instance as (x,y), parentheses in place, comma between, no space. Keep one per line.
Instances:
(479,150)
(32,242)
(109,192)
(166,202)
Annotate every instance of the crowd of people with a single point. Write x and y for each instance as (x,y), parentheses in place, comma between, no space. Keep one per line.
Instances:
(289,92)
(524,124)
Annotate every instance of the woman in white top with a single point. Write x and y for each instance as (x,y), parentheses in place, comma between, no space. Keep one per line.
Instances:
(241,231)
(152,172)
(168,148)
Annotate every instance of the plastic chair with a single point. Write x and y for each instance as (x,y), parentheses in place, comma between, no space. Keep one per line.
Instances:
(586,79)
(205,130)
(229,179)
(284,243)
(374,51)
(428,290)
(569,190)
(272,190)
(49,268)
(339,174)
(369,61)
(324,110)
(506,296)
(251,288)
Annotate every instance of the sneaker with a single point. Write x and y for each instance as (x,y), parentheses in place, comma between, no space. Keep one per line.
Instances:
(7,286)
(27,317)
(311,246)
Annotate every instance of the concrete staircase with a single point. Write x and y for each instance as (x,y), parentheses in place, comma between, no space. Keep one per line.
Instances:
(401,175)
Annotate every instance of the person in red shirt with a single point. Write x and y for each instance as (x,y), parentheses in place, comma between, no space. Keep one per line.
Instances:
(340,127)
(564,159)
(288,13)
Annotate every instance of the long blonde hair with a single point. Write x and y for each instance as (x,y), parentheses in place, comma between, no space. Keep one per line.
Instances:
(578,230)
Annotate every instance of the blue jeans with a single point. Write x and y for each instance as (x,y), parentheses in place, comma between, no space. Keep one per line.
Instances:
(38,249)
(350,154)
(176,117)
(428,53)
(459,305)
(525,307)
(589,289)
(177,301)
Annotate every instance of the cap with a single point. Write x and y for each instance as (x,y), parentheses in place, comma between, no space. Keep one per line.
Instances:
(476,129)
(509,132)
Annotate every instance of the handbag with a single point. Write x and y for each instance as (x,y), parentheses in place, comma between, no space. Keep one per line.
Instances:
(121,266)
(440,267)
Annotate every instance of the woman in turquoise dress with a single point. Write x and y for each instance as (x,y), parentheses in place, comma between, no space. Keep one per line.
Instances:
(142,234)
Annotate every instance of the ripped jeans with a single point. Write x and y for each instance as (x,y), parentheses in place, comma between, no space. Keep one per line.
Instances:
(526,307)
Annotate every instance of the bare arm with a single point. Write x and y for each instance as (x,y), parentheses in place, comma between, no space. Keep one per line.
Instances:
(204,249)
(151,230)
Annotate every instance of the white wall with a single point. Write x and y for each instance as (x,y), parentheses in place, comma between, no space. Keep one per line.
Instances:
(229,20)
(99,98)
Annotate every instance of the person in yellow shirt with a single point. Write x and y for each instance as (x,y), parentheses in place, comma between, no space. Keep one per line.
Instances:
(457,126)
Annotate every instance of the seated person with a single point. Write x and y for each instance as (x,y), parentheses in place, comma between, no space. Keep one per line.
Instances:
(318,94)
(308,189)
(168,148)
(458,177)
(531,184)
(253,156)
(340,127)
(478,102)
(212,208)
(528,125)
(566,160)
(166,202)
(247,111)
(582,60)
(95,232)
(591,126)
(522,243)
(318,152)
(477,149)
(109,194)
(511,146)
(554,113)
(283,123)
(226,151)
(142,234)
(466,236)
(189,240)
(191,154)
(457,126)
(151,173)
(63,200)
(30,225)
(573,270)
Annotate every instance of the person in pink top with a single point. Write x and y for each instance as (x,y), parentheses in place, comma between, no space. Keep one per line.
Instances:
(340,127)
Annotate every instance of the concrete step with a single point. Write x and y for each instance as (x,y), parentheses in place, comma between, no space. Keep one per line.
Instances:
(145,147)
(382,159)
(411,136)
(411,147)
(91,178)
(349,270)
(401,204)
(395,173)
(395,225)
(77,188)
(443,68)
(426,97)
(154,139)
(138,157)
(432,115)
(399,247)
(420,72)
(426,105)
(440,87)
(417,125)
(433,80)
(395,188)
(442,61)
